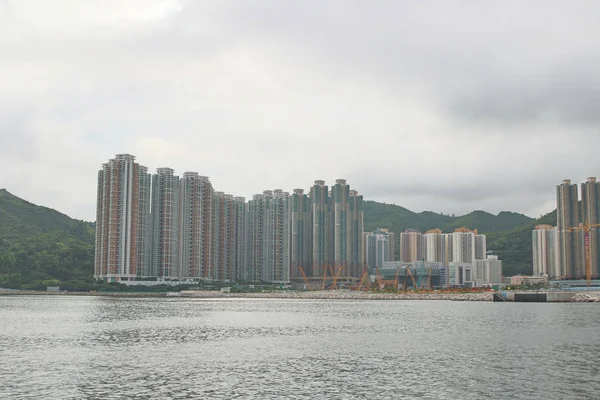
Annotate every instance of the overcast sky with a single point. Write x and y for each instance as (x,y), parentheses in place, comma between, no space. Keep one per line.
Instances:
(447,106)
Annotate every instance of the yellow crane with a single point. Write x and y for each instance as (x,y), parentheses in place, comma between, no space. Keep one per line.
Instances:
(588,250)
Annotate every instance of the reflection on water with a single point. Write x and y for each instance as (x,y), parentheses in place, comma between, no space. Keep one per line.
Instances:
(102,348)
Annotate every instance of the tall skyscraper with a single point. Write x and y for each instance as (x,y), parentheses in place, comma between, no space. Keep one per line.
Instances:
(432,246)
(195,226)
(122,220)
(463,245)
(341,239)
(590,216)
(569,240)
(480,247)
(269,237)
(301,233)
(223,237)
(546,256)
(322,228)
(355,246)
(240,216)
(165,223)
(411,246)
(445,253)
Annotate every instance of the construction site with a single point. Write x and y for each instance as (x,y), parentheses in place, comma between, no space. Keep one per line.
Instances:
(399,279)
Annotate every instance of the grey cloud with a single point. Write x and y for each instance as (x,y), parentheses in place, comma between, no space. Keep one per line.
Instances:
(447,106)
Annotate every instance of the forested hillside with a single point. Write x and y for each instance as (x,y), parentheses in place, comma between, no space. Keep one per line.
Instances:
(39,246)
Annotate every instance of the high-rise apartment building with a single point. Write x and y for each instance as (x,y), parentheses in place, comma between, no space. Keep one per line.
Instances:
(546,256)
(379,248)
(411,246)
(322,228)
(301,233)
(355,228)
(463,246)
(165,223)
(569,240)
(488,271)
(431,245)
(122,220)
(195,226)
(445,253)
(269,237)
(240,215)
(590,218)
(224,235)
(480,247)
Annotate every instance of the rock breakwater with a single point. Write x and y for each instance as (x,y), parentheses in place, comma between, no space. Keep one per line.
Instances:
(345,295)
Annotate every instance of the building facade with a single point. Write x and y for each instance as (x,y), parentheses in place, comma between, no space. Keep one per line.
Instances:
(488,271)
(165,223)
(379,248)
(590,218)
(122,220)
(571,257)
(195,226)
(411,246)
(463,246)
(301,233)
(545,249)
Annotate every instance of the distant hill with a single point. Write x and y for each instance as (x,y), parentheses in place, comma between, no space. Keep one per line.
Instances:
(39,245)
(22,219)
(514,247)
(397,219)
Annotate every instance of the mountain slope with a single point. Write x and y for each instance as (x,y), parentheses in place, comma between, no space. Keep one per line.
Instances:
(514,247)
(397,219)
(21,219)
(39,245)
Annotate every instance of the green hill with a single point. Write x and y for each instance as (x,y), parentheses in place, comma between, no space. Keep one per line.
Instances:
(397,219)
(39,245)
(514,247)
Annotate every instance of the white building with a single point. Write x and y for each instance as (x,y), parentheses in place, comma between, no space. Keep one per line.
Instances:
(545,247)
(463,246)
(488,271)
(460,274)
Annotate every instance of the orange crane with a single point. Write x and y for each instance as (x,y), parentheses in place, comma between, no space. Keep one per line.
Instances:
(362,280)
(324,276)
(407,271)
(305,278)
(588,250)
(336,276)
(379,278)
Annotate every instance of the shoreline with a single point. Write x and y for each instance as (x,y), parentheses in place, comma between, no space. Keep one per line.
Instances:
(561,297)
(309,295)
